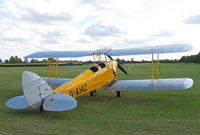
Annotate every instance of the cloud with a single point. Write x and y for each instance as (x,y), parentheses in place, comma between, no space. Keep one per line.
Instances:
(101,30)
(153,37)
(55,34)
(34,16)
(13,39)
(136,41)
(83,41)
(53,37)
(50,41)
(38,25)
(13,34)
(150,40)
(97,4)
(195,19)
(162,34)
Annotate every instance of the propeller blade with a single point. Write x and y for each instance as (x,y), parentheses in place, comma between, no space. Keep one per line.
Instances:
(121,68)
(109,57)
(119,65)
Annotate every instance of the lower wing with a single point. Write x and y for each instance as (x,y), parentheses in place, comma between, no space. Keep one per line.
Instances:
(160,84)
(56,82)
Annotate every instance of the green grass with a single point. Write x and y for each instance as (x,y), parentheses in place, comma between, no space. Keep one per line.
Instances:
(137,113)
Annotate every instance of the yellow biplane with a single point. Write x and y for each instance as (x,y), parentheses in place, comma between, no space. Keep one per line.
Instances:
(58,94)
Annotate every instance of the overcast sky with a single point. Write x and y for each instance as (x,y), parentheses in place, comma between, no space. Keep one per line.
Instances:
(28,26)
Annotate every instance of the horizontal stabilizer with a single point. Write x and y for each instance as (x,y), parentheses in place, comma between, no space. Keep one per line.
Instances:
(115,52)
(59,102)
(160,84)
(18,102)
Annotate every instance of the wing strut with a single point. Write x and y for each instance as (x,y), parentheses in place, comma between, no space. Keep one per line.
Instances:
(57,62)
(152,70)
(51,60)
(157,66)
(155,71)
(49,69)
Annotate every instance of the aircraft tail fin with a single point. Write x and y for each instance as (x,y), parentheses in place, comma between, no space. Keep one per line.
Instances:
(35,89)
(38,94)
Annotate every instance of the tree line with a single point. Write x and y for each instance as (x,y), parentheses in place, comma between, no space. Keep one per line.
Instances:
(17,60)
(191,59)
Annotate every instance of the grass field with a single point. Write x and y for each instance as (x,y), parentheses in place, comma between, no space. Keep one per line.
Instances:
(137,113)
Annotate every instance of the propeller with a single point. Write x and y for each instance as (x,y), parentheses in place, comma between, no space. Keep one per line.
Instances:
(119,65)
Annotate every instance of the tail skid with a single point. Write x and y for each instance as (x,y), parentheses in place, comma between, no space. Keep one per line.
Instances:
(38,94)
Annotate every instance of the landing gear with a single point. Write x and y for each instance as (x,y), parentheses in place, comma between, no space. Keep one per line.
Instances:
(93,93)
(41,106)
(120,93)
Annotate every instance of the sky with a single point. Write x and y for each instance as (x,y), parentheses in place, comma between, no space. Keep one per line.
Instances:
(28,26)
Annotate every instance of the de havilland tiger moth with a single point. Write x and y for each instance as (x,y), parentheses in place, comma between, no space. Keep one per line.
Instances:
(59,94)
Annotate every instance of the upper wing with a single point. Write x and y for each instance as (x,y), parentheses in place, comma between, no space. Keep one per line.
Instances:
(59,54)
(152,50)
(160,84)
(115,52)
(56,82)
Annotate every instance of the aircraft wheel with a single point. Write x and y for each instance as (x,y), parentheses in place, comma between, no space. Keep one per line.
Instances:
(93,93)
(120,93)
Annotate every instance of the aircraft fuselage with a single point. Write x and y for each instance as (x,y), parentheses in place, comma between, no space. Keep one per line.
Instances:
(96,77)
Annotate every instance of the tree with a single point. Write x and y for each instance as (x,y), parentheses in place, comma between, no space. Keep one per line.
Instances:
(45,61)
(191,59)
(52,60)
(6,61)
(34,61)
(1,61)
(132,59)
(25,60)
(18,60)
(14,60)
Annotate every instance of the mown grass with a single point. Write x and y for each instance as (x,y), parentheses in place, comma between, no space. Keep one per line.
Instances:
(137,113)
